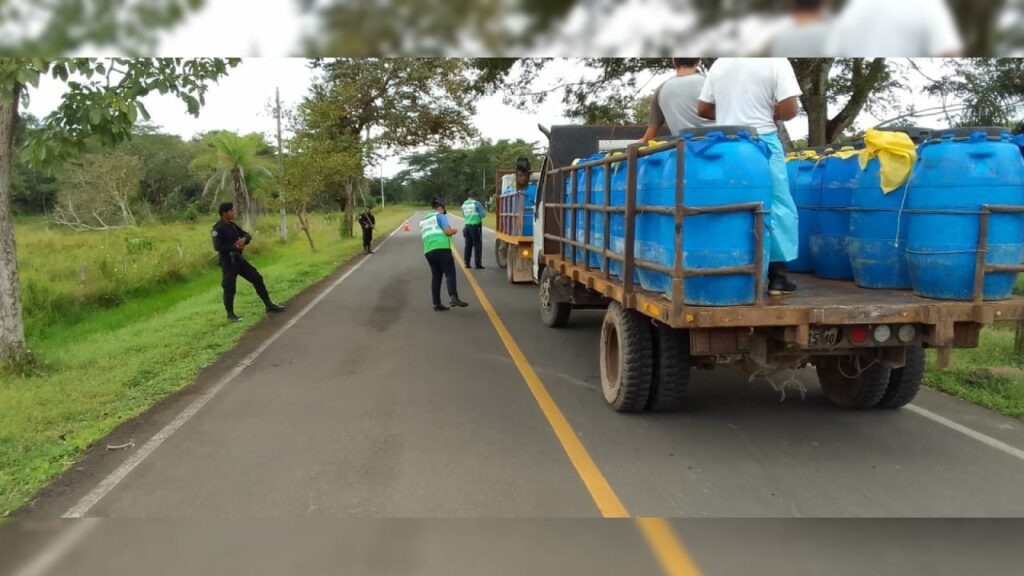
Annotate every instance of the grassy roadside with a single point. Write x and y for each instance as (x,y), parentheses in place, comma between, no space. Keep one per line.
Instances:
(105,367)
(991,375)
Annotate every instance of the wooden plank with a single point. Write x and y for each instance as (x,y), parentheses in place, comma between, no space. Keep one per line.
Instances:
(630,223)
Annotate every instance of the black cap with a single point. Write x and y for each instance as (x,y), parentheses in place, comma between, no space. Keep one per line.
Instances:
(473,194)
(224,207)
(436,203)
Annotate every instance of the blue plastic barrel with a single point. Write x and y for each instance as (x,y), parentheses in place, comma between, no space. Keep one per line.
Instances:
(723,165)
(958,173)
(617,226)
(596,218)
(805,186)
(829,239)
(878,227)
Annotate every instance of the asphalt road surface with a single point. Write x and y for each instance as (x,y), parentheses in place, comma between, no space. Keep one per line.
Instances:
(361,402)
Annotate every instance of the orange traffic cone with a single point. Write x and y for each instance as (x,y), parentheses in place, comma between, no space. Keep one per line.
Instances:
(405,227)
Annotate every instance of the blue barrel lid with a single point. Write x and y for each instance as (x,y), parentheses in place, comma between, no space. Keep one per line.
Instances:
(990,132)
(703,132)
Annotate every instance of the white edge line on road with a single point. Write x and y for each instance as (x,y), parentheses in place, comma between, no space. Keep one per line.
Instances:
(969,432)
(96,494)
(55,552)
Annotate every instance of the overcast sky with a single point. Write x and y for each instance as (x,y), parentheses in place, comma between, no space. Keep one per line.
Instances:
(240,101)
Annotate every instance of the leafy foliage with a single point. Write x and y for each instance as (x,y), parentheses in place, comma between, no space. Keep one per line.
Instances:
(62,26)
(990,90)
(449,173)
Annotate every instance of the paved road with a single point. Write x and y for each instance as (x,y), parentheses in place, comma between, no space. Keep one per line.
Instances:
(365,403)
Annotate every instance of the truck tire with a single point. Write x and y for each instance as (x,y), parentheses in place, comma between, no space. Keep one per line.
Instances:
(671,368)
(862,391)
(501,253)
(905,382)
(553,314)
(626,359)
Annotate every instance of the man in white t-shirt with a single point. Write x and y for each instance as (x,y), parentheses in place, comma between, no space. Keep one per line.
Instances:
(895,28)
(758,92)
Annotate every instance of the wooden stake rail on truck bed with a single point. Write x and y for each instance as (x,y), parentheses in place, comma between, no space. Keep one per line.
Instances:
(818,304)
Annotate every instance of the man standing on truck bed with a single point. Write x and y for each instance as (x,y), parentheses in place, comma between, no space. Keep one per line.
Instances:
(229,240)
(473,211)
(759,92)
(437,246)
(675,101)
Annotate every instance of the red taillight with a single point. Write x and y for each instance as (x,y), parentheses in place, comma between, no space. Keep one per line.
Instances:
(859,334)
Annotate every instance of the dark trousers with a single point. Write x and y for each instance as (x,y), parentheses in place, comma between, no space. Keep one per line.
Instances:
(367,238)
(231,269)
(474,244)
(442,263)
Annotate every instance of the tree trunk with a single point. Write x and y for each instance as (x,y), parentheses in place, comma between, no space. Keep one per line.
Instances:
(813,75)
(348,223)
(304,225)
(242,198)
(12,328)
(865,81)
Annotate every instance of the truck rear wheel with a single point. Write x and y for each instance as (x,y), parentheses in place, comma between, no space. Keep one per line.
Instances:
(501,253)
(905,382)
(553,313)
(671,369)
(853,382)
(626,358)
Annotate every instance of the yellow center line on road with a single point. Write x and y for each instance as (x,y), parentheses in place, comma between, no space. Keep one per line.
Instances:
(600,490)
(667,547)
(659,535)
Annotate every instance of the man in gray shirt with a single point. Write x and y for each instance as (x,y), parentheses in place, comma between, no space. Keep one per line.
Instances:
(675,101)
(806,35)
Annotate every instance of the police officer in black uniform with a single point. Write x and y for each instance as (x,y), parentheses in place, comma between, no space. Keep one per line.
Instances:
(229,240)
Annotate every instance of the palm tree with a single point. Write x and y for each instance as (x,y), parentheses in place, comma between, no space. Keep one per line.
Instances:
(237,157)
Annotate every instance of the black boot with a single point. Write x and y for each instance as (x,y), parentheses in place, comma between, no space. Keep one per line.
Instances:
(232,317)
(778,283)
(271,307)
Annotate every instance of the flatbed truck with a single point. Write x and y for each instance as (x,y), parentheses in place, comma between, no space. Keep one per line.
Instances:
(867,346)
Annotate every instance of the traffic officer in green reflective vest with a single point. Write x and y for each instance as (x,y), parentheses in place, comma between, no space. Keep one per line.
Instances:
(473,211)
(437,246)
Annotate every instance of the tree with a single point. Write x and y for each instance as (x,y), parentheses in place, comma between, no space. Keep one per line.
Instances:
(607,90)
(33,191)
(238,158)
(989,91)
(448,173)
(852,85)
(502,27)
(387,104)
(315,169)
(98,190)
(168,185)
(102,101)
(61,26)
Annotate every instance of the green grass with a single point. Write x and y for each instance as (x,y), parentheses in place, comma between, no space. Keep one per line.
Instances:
(1003,394)
(112,345)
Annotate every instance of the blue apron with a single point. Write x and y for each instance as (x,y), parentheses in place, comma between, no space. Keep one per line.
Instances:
(785,235)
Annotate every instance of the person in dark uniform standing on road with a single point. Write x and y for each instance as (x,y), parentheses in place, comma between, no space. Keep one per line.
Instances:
(367,222)
(437,246)
(473,212)
(229,240)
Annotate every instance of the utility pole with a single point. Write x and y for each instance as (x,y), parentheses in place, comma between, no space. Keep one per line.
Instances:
(280,162)
(382,185)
